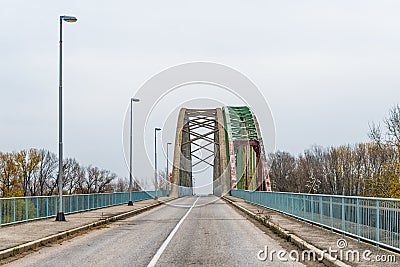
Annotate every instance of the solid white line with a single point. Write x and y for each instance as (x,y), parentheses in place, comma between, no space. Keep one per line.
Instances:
(160,251)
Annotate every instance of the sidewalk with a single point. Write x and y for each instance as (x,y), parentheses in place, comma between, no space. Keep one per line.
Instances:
(315,238)
(22,237)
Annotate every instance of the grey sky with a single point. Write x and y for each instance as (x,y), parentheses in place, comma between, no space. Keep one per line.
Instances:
(327,68)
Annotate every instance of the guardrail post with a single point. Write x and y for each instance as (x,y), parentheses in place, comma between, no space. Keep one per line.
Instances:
(377,225)
(396,216)
(47,206)
(312,208)
(292,197)
(321,211)
(26,209)
(358,221)
(331,212)
(15,212)
(343,215)
(287,203)
(37,207)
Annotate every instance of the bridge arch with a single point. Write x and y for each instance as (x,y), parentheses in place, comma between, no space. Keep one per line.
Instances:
(232,138)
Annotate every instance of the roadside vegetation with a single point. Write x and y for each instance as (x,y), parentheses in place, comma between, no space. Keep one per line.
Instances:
(34,172)
(365,169)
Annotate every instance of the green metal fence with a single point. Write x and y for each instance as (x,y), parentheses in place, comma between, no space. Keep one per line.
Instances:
(21,209)
(374,220)
(185,191)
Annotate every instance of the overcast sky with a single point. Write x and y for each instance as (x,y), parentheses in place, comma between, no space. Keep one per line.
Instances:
(326,68)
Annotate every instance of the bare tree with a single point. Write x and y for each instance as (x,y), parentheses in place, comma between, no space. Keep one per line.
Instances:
(73,174)
(45,178)
(34,172)
(121,185)
(393,126)
(104,181)
(282,167)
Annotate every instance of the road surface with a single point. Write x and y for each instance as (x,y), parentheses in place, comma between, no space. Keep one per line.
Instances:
(186,231)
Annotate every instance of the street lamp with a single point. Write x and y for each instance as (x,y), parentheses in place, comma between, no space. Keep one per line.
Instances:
(167,176)
(130,203)
(155,160)
(60,213)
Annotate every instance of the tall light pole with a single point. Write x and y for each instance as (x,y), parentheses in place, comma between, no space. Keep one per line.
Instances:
(167,176)
(130,203)
(60,213)
(155,161)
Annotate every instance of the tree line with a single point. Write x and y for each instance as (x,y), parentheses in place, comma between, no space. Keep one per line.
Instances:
(365,169)
(34,172)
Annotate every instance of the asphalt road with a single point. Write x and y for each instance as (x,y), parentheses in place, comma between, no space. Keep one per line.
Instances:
(187,231)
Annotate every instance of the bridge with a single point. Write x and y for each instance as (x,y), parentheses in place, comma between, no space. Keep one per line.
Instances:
(229,140)
(236,226)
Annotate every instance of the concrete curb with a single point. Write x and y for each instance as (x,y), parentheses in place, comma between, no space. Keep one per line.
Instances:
(296,240)
(52,238)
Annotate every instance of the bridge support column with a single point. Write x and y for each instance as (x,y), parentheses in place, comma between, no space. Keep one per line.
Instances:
(221,181)
(177,154)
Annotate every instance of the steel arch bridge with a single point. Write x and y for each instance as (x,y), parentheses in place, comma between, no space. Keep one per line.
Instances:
(228,139)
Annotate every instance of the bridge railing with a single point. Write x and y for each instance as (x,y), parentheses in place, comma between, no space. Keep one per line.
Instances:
(375,220)
(22,209)
(185,191)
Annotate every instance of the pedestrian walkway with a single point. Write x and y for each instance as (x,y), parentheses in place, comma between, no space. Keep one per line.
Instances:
(305,234)
(21,237)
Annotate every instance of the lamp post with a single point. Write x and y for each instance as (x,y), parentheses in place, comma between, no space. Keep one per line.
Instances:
(167,176)
(130,203)
(155,161)
(60,213)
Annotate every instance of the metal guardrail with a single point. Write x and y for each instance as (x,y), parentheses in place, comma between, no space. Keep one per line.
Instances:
(185,191)
(375,220)
(22,209)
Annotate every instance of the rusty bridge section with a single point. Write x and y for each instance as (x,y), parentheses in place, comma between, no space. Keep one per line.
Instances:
(228,139)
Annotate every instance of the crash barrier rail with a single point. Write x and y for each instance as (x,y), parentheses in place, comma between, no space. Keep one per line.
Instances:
(19,209)
(374,220)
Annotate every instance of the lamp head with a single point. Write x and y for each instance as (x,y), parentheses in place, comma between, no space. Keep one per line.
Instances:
(135,99)
(68,18)
(157,129)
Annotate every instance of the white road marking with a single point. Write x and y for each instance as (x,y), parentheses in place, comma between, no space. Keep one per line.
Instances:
(160,251)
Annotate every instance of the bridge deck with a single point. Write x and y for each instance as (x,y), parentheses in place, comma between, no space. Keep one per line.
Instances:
(23,233)
(213,233)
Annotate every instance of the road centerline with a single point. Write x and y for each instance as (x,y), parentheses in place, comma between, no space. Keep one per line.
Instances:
(164,245)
